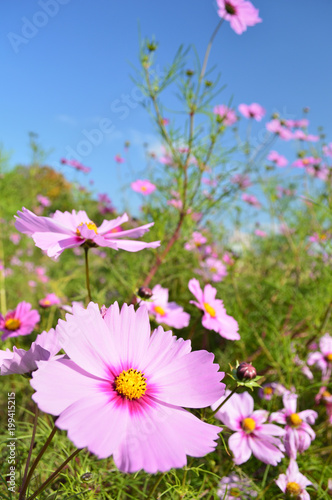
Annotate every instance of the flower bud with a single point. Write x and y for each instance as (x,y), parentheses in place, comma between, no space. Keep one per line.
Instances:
(245,371)
(189,72)
(144,292)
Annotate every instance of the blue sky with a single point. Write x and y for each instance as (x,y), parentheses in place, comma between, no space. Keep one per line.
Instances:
(67,65)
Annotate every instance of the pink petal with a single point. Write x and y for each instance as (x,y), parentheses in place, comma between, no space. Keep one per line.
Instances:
(238,444)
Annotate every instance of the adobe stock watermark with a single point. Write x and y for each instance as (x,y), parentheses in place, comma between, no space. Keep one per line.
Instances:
(30,27)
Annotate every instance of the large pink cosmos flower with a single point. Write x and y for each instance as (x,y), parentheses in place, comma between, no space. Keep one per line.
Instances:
(299,434)
(239,13)
(45,347)
(20,321)
(215,316)
(69,230)
(143,186)
(323,358)
(169,313)
(251,434)
(254,111)
(226,115)
(121,392)
(293,483)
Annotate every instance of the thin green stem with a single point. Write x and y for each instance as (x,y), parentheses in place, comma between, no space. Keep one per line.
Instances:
(86,250)
(225,400)
(54,475)
(207,53)
(35,463)
(31,446)
(155,486)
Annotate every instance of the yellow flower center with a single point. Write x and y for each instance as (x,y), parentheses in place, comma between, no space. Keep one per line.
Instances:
(323,237)
(326,394)
(248,424)
(268,391)
(143,188)
(159,310)
(294,420)
(131,384)
(293,489)
(90,225)
(46,302)
(12,324)
(305,161)
(329,357)
(209,309)
(213,269)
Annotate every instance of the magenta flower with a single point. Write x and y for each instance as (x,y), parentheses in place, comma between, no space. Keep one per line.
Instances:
(15,238)
(143,186)
(45,347)
(293,483)
(279,160)
(215,316)
(302,136)
(20,321)
(196,242)
(119,159)
(323,358)
(251,200)
(327,150)
(242,180)
(239,13)
(254,111)
(43,200)
(260,233)
(325,397)
(270,389)
(50,300)
(214,269)
(299,434)
(122,391)
(306,162)
(169,313)
(76,165)
(233,487)
(277,128)
(226,115)
(69,230)
(251,435)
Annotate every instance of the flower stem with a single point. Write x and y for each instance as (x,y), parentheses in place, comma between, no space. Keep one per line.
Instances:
(225,400)
(86,250)
(31,447)
(155,486)
(207,53)
(54,475)
(35,463)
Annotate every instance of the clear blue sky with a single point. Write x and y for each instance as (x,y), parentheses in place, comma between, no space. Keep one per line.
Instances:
(63,73)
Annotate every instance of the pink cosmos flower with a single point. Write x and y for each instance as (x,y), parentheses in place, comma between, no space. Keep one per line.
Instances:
(251,434)
(299,434)
(325,397)
(197,240)
(215,269)
(215,316)
(277,128)
(242,180)
(122,391)
(41,274)
(15,238)
(233,487)
(251,200)
(260,233)
(20,321)
(270,389)
(118,159)
(239,13)
(166,158)
(50,300)
(69,230)
(293,483)
(279,160)
(305,162)
(323,358)
(143,186)
(321,172)
(254,111)
(43,200)
(169,313)
(165,121)
(327,150)
(76,165)
(227,116)
(302,136)
(45,347)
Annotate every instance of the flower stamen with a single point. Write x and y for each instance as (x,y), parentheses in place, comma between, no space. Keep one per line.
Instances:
(90,225)
(294,420)
(293,489)
(159,310)
(12,324)
(248,424)
(131,384)
(209,309)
